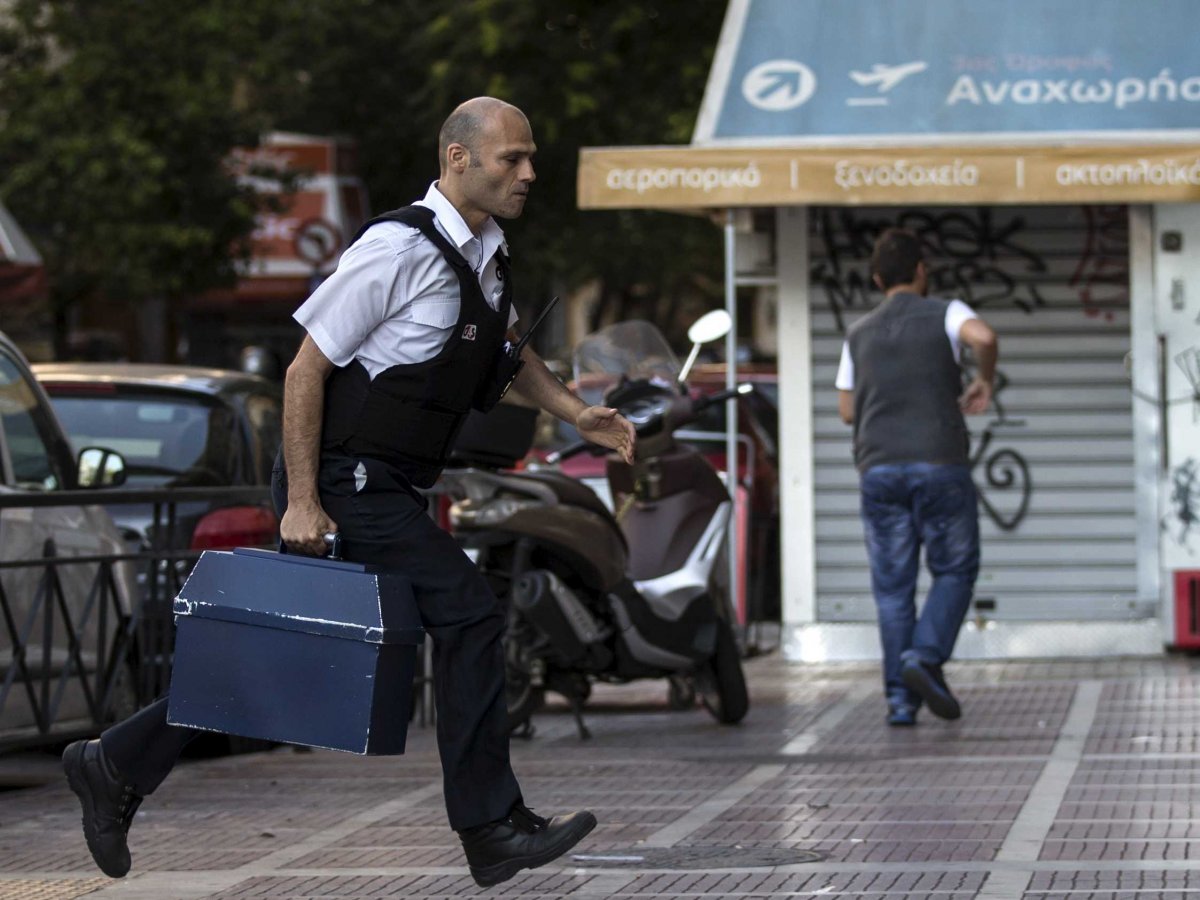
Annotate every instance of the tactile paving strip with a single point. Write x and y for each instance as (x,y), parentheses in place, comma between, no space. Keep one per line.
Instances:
(50,890)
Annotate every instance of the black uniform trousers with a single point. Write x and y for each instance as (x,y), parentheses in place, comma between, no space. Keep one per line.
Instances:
(383,520)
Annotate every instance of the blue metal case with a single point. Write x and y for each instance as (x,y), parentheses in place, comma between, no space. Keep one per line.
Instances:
(296,649)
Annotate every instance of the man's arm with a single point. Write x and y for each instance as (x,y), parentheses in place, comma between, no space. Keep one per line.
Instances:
(844,382)
(846,406)
(304,523)
(598,424)
(978,335)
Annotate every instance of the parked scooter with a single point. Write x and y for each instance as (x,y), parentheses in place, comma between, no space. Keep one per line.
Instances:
(595,596)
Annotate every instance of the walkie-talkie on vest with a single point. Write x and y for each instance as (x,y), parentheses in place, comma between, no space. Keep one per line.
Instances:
(509,363)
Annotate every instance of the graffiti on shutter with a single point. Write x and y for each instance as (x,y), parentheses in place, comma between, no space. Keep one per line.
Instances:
(1053,456)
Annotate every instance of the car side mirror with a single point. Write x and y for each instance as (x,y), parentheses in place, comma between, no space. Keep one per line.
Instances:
(100,467)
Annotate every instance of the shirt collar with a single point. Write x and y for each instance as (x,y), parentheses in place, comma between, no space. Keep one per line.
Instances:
(456,229)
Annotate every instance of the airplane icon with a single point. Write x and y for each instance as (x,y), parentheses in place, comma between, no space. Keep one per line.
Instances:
(886,77)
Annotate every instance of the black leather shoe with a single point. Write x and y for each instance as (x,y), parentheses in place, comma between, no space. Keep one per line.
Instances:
(901,715)
(926,679)
(521,840)
(108,805)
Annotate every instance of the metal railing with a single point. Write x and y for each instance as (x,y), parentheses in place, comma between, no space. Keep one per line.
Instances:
(58,665)
(91,637)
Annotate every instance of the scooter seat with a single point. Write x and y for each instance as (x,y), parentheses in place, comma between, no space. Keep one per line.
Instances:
(568,491)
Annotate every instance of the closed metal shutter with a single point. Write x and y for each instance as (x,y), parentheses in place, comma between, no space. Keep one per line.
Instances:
(1056,476)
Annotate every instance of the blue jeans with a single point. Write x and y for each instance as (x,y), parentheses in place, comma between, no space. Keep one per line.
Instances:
(904,506)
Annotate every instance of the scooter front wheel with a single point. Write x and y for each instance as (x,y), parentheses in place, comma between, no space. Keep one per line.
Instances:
(722,682)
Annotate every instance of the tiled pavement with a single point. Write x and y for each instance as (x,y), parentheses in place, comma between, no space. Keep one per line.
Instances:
(1066,780)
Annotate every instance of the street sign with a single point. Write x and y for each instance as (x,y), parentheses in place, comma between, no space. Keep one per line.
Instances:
(317,241)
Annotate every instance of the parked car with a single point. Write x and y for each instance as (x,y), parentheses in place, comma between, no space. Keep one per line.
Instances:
(65,659)
(177,426)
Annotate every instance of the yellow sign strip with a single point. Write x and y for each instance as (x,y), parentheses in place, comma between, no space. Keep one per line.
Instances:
(681,177)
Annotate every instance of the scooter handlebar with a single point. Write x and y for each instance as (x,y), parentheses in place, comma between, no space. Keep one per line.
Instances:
(557,456)
(702,403)
(698,405)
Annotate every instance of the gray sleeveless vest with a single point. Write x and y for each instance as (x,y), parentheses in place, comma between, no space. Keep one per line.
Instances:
(906,385)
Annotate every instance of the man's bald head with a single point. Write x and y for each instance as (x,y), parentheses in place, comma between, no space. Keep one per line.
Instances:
(467,123)
(487,150)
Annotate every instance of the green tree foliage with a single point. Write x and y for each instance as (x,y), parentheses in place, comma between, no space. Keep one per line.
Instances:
(586,72)
(117,115)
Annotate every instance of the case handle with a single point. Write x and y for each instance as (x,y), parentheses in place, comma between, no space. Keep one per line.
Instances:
(333,540)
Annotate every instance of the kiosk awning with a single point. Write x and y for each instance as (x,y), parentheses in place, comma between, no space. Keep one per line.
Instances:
(683,177)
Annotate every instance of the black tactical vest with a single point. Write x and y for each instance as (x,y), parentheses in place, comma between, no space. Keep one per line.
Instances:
(409,415)
(906,385)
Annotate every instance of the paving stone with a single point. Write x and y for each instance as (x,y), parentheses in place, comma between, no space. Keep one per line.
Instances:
(404,856)
(821,884)
(912,813)
(305,887)
(919,813)
(49,889)
(1084,880)
(1124,830)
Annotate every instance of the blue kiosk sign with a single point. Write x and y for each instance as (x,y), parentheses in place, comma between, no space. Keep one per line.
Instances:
(945,101)
(818,69)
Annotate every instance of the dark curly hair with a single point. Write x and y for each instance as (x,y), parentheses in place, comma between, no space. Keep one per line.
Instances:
(895,258)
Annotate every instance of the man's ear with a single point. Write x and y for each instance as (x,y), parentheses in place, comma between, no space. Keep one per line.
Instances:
(458,158)
(878,282)
(922,278)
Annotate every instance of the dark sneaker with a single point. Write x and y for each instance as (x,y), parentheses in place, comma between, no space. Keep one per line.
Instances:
(522,840)
(901,715)
(926,679)
(108,805)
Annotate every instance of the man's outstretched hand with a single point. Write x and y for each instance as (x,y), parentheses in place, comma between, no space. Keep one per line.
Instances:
(605,426)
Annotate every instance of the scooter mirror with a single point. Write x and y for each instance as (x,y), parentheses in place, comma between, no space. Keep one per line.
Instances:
(710,327)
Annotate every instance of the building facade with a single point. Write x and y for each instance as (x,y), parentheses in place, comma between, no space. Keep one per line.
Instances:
(1054,176)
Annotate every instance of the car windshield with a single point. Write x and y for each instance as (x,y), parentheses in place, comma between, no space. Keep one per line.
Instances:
(165,439)
(634,349)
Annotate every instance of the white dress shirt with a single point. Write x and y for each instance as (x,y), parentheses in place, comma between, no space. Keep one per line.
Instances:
(956,314)
(394,299)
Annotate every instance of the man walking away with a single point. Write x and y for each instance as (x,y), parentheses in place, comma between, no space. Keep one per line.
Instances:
(900,385)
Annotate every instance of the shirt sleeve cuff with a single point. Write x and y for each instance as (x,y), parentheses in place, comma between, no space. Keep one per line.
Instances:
(327,345)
